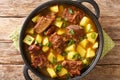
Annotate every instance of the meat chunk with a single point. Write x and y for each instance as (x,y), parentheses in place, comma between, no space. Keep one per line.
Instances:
(57,42)
(50,30)
(72,15)
(73,67)
(34,49)
(43,23)
(74,32)
(39,61)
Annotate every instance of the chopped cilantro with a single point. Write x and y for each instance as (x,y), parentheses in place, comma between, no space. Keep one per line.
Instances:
(54,60)
(49,44)
(58,68)
(40,44)
(72,32)
(93,35)
(65,24)
(74,56)
(70,42)
(70,11)
(64,53)
(68,76)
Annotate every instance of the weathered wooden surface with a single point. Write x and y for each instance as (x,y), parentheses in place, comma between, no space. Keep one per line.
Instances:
(14,12)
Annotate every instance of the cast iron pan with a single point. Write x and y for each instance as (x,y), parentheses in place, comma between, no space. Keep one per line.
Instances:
(78,4)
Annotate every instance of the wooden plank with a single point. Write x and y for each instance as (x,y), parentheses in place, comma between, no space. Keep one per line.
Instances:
(103,72)
(11,56)
(110,25)
(14,8)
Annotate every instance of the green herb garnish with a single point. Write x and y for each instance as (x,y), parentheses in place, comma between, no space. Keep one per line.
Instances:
(93,35)
(54,60)
(68,76)
(49,44)
(72,32)
(74,56)
(65,24)
(70,42)
(40,44)
(64,54)
(70,11)
(58,68)
(58,19)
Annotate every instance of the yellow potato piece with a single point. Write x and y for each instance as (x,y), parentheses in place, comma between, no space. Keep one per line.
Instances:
(84,43)
(89,28)
(45,41)
(95,46)
(92,37)
(72,55)
(63,72)
(50,57)
(35,18)
(70,48)
(60,31)
(51,72)
(54,8)
(90,53)
(81,50)
(45,48)
(28,40)
(85,20)
(30,31)
(39,38)
(60,58)
(58,23)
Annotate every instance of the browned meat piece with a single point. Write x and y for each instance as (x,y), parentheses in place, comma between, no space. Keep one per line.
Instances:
(74,32)
(39,61)
(34,49)
(73,67)
(57,42)
(50,30)
(72,15)
(43,23)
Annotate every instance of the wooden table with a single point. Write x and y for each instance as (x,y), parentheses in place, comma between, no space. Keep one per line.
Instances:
(14,12)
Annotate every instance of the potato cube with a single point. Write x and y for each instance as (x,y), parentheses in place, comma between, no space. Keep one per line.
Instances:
(85,20)
(60,58)
(58,23)
(70,48)
(95,46)
(85,62)
(50,57)
(28,40)
(81,50)
(60,31)
(45,48)
(84,43)
(72,55)
(90,53)
(89,28)
(34,19)
(54,8)
(30,31)
(45,41)
(62,72)
(51,72)
(39,38)
(92,37)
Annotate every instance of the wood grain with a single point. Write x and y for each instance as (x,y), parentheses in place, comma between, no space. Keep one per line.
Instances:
(23,8)
(104,72)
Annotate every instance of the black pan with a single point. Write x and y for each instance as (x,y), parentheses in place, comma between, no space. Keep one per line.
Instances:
(79,5)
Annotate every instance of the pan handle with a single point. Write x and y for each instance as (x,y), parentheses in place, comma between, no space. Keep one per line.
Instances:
(94,4)
(25,72)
